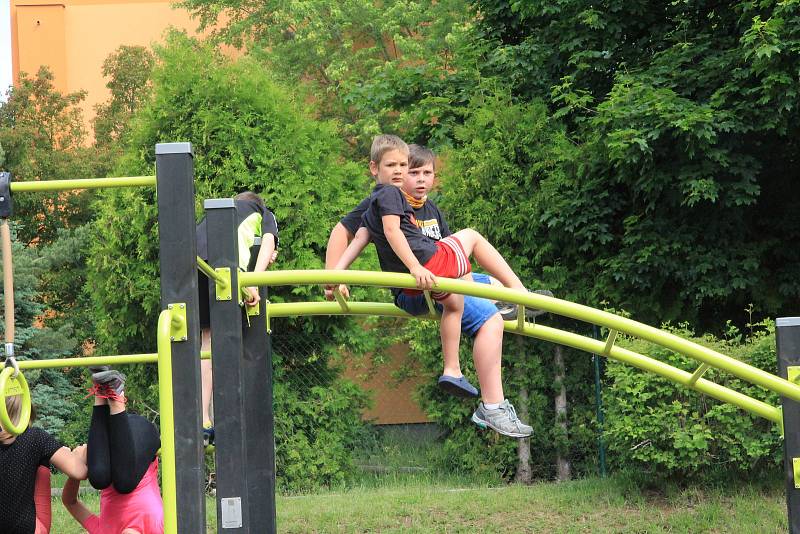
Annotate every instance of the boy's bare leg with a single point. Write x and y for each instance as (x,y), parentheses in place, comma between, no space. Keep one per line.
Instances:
(206,376)
(487,352)
(450,331)
(486,255)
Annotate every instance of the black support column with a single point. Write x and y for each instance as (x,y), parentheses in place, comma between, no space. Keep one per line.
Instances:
(787,334)
(178,263)
(226,347)
(257,394)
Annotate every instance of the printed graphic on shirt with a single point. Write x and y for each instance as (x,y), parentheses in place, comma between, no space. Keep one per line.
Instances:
(430,228)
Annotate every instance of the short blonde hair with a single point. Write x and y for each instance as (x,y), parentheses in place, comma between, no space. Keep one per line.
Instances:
(383,144)
(14,408)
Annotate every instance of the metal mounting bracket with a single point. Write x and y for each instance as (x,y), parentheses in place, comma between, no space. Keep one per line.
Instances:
(177,327)
(224,289)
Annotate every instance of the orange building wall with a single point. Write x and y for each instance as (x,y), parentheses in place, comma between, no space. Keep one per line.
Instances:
(392,401)
(74,37)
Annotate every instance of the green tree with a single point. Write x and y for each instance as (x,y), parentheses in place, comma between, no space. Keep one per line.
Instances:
(53,391)
(399,66)
(679,206)
(247,134)
(128,70)
(42,134)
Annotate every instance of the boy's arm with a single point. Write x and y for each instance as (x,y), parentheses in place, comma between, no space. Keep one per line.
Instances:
(399,244)
(265,253)
(69,496)
(262,262)
(337,244)
(350,254)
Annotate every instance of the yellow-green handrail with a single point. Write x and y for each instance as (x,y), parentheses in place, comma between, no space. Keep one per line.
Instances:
(82,183)
(87,361)
(167,420)
(9,386)
(534,300)
(554,335)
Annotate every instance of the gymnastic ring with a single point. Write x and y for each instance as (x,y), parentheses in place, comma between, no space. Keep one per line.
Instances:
(10,386)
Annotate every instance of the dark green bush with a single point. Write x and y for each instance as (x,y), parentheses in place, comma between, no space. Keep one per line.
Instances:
(665,430)
(247,133)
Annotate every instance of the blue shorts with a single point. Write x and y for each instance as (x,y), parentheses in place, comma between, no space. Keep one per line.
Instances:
(476,310)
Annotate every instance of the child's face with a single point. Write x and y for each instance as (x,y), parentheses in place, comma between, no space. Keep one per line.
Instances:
(419,181)
(391,169)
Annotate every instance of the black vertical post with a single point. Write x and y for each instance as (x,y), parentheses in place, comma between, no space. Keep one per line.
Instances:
(787,336)
(178,263)
(257,394)
(226,347)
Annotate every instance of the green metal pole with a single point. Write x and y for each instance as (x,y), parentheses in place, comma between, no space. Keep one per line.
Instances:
(167,420)
(535,300)
(85,183)
(598,402)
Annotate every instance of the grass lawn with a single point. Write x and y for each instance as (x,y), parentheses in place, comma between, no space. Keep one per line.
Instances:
(591,505)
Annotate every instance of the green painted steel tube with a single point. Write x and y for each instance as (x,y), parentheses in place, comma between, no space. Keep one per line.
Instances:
(554,335)
(209,271)
(84,183)
(86,361)
(167,420)
(535,300)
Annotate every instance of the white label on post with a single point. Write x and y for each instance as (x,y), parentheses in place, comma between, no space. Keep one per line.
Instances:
(232,512)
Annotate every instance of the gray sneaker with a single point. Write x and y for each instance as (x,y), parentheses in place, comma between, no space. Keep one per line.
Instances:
(112,379)
(508,310)
(503,420)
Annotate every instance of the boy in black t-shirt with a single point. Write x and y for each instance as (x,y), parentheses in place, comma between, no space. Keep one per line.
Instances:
(390,222)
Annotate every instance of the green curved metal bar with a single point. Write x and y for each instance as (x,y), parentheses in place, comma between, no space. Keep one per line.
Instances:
(84,183)
(167,421)
(534,300)
(18,386)
(554,335)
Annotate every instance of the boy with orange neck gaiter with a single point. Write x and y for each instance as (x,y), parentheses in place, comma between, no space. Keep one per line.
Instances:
(411,236)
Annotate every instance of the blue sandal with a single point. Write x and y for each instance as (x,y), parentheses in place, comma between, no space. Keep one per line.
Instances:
(460,387)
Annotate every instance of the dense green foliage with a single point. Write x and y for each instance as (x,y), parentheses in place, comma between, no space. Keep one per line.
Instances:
(633,155)
(398,65)
(680,205)
(664,430)
(128,71)
(247,134)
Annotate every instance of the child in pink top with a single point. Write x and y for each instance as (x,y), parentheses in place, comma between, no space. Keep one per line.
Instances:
(121,459)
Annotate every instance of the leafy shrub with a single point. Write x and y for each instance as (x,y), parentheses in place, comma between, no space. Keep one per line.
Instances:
(247,132)
(666,430)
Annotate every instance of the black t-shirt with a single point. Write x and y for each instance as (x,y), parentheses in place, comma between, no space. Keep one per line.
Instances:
(18,464)
(389,200)
(429,219)
(252,221)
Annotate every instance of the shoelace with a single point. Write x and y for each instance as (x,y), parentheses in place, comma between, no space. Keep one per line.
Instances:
(512,413)
(103,391)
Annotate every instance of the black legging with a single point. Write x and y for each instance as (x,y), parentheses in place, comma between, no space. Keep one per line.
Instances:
(121,448)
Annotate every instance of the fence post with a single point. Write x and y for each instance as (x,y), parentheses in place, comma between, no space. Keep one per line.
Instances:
(178,264)
(787,337)
(226,349)
(258,414)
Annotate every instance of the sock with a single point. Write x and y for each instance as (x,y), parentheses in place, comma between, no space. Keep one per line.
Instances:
(491,406)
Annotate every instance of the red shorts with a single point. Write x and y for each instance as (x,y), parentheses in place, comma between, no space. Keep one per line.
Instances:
(449,261)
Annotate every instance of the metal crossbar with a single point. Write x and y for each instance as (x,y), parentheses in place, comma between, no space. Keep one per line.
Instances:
(83,183)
